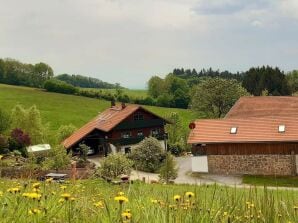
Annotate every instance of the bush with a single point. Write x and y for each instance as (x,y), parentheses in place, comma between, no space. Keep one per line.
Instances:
(19,141)
(169,170)
(114,165)
(148,155)
(65,131)
(54,85)
(175,149)
(3,145)
(57,159)
(4,121)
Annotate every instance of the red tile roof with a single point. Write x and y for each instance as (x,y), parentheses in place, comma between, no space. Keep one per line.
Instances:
(254,129)
(264,106)
(105,122)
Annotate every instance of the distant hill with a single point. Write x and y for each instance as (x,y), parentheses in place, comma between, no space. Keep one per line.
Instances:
(85,82)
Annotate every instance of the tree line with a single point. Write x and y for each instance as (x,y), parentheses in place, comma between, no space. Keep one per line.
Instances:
(14,72)
(180,88)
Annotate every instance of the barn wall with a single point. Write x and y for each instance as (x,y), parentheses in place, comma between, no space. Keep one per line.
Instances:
(258,164)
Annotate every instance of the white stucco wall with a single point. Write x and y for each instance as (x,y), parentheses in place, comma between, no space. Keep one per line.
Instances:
(199,164)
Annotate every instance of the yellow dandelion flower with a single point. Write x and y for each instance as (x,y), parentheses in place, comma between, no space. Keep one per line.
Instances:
(1,193)
(14,190)
(99,204)
(121,199)
(34,211)
(63,187)
(36,185)
(189,194)
(66,196)
(121,193)
(154,201)
(49,180)
(126,215)
(61,200)
(177,198)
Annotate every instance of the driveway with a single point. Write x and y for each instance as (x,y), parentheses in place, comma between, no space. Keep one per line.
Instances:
(184,174)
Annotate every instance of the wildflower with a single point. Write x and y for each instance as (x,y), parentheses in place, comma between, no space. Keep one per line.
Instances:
(177,198)
(1,193)
(63,187)
(36,185)
(225,213)
(121,193)
(14,190)
(296,208)
(32,195)
(49,180)
(66,196)
(34,211)
(99,204)
(154,201)
(189,194)
(121,199)
(126,215)
(1,156)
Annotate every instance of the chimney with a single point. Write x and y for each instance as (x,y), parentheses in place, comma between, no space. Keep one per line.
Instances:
(113,103)
(123,105)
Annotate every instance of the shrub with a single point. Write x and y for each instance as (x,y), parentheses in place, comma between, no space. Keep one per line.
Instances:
(4,121)
(57,159)
(64,131)
(83,148)
(54,85)
(3,145)
(114,165)
(19,141)
(168,170)
(148,155)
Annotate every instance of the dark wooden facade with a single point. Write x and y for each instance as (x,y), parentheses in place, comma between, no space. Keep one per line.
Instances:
(130,131)
(282,148)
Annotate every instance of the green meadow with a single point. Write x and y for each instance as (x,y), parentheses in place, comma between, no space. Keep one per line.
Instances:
(60,109)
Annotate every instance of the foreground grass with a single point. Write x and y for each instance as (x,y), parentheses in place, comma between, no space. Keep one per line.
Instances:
(94,201)
(277,181)
(60,109)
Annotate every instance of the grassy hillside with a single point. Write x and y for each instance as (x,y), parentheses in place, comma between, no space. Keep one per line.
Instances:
(59,109)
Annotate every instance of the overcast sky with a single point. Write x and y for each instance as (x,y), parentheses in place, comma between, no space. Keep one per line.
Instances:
(128,41)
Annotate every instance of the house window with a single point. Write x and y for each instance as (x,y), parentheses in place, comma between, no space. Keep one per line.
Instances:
(138,116)
(140,134)
(127,150)
(233,130)
(281,128)
(126,135)
(155,132)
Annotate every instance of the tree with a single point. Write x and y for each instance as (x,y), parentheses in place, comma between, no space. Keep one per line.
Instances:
(155,86)
(57,159)
(114,165)
(214,97)
(292,79)
(65,131)
(168,170)
(54,85)
(29,120)
(42,72)
(148,155)
(256,80)
(4,121)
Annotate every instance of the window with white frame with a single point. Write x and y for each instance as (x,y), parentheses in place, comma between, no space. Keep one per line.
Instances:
(155,132)
(126,135)
(138,116)
(233,130)
(281,128)
(140,134)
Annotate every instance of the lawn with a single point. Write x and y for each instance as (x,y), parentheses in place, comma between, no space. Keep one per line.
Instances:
(60,109)
(97,201)
(275,181)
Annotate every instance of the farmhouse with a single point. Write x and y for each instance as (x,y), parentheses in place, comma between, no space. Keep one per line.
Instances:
(259,135)
(118,129)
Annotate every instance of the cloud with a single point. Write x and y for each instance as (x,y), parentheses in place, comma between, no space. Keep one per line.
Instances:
(225,7)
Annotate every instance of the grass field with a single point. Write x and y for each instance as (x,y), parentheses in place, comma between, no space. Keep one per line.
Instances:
(95,201)
(274,181)
(59,109)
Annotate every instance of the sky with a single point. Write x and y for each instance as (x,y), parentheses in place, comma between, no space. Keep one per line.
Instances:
(128,41)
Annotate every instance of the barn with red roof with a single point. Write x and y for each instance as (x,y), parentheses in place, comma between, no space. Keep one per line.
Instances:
(258,136)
